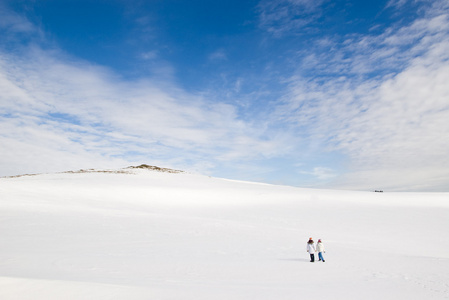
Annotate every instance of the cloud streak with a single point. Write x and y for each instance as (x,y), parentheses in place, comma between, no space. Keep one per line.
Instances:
(288,16)
(392,126)
(73,107)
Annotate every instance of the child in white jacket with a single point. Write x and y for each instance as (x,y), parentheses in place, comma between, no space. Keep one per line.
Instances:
(311,249)
(320,250)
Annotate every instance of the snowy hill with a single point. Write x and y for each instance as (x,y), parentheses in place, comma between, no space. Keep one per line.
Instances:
(144,234)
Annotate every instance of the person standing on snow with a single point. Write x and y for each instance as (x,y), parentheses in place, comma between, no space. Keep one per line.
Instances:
(320,250)
(311,249)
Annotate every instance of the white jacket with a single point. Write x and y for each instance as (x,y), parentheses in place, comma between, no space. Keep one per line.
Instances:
(311,248)
(319,247)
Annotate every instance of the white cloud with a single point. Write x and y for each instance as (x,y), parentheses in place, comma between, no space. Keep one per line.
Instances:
(396,3)
(150,55)
(321,173)
(393,126)
(58,108)
(14,22)
(219,54)
(282,16)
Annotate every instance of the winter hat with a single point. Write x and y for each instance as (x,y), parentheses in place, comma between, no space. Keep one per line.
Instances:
(319,241)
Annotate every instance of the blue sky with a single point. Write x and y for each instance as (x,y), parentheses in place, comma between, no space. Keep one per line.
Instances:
(323,94)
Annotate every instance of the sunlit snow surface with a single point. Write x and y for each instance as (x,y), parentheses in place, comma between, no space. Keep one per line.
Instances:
(153,235)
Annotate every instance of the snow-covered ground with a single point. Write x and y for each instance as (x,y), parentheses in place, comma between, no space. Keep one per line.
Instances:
(153,235)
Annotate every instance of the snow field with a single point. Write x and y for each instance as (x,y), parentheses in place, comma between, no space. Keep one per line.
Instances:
(151,235)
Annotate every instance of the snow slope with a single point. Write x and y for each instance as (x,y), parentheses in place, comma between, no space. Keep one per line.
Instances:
(153,235)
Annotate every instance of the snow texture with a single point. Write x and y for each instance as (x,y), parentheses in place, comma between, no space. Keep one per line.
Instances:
(142,234)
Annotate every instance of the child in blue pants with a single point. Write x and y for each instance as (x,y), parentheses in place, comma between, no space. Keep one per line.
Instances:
(320,250)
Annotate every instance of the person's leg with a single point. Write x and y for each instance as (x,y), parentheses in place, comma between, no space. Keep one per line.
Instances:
(312,257)
(320,256)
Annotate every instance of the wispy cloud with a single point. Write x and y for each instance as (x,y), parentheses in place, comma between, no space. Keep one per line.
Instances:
(70,113)
(396,3)
(287,16)
(321,173)
(15,23)
(387,110)
(218,55)
(150,55)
